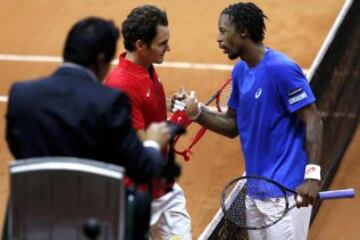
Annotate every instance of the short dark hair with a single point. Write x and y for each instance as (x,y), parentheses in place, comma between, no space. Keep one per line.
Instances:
(142,24)
(88,38)
(247,16)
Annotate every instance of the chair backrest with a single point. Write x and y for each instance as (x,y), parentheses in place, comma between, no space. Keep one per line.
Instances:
(53,197)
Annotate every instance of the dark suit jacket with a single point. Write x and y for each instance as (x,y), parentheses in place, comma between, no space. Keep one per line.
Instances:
(70,114)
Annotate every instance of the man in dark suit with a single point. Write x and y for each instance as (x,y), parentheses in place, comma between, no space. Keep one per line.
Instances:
(71,114)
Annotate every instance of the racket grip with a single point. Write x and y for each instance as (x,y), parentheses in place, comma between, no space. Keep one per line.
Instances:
(345,193)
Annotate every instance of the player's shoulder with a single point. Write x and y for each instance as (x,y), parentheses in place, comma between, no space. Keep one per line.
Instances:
(276,59)
(238,65)
(26,86)
(238,68)
(280,63)
(121,79)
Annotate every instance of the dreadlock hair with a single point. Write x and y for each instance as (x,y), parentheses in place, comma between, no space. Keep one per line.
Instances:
(247,16)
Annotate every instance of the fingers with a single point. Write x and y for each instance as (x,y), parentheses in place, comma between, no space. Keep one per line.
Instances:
(181,99)
(192,94)
(178,106)
(158,132)
(304,200)
(181,94)
(177,100)
(191,99)
(193,107)
(307,193)
(298,200)
(301,201)
(160,128)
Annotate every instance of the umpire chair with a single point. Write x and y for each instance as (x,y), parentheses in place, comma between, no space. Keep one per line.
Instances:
(66,198)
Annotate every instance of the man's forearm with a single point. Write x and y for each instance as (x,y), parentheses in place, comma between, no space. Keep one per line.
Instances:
(314,139)
(311,118)
(222,123)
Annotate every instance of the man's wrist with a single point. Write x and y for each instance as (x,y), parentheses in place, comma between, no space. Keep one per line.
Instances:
(197,115)
(313,172)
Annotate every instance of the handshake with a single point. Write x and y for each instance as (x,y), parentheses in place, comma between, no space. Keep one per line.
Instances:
(187,102)
(164,132)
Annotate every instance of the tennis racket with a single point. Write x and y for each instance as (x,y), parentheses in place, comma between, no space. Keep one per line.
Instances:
(221,97)
(274,200)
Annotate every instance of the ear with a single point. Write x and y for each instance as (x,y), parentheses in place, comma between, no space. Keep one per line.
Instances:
(139,44)
(243,33)
(101,67)
(101,58)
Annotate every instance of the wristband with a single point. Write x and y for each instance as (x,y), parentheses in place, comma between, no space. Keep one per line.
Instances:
(313,171)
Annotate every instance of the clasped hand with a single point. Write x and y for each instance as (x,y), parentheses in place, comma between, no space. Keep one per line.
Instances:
(184,101)
(307,192)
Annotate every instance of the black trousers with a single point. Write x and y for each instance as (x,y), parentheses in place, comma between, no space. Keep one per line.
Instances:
(138,212)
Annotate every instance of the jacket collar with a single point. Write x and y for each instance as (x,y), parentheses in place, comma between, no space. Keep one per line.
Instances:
(74,68)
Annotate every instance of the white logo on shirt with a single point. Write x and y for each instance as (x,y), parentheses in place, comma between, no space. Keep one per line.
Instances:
(258,93)
(148,93)
(298,98)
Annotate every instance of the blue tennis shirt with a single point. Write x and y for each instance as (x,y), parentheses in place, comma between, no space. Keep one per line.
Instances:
(266,98)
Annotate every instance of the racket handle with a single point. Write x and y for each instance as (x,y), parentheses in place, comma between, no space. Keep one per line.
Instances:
(345,193)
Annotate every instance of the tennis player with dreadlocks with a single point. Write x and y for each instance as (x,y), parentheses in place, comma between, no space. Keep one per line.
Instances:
(272,108)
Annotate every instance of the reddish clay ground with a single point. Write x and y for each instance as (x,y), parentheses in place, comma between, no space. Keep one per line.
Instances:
(295,27)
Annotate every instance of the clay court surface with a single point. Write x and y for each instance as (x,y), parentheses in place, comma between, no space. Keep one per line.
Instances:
(298,28)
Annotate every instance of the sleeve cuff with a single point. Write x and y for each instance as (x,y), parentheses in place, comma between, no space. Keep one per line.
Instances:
(151,143)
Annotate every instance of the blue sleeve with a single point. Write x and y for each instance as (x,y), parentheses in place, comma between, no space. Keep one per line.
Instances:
(294,89)
(234,96)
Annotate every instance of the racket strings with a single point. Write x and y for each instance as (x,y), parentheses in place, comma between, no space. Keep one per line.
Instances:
(256,198)
(222,99)
(233,232)
(235,204)
(237,209)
